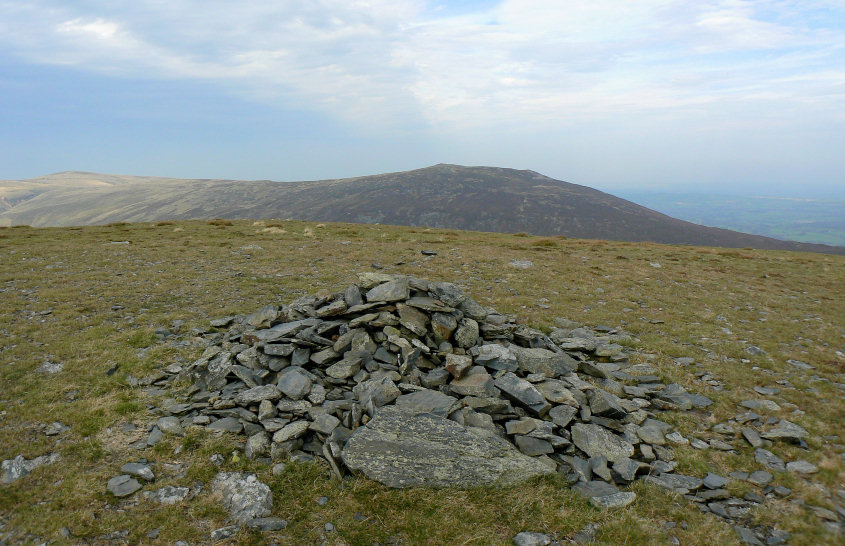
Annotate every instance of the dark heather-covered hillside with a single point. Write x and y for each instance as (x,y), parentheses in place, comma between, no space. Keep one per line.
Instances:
(443,196)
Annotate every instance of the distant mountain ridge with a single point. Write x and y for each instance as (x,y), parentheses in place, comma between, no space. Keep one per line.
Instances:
(444,196)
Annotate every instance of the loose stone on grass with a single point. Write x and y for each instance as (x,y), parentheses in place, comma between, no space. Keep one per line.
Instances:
(243,495)
(14,469)
(123,485)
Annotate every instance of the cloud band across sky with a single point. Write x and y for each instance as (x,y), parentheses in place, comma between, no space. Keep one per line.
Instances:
(695,70)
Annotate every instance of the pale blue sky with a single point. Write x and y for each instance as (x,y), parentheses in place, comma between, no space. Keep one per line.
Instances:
(694,95)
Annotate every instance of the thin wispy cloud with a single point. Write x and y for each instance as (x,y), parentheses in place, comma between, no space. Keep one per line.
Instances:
(536,58)
(390,64)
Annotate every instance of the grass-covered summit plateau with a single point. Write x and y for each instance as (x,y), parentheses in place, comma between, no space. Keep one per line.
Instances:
(92,319)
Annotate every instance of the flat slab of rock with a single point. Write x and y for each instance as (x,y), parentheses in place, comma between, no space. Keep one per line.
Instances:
(139,470)
(544,361)
(14,469)
(244,495)
(123,485)
(616,500)
(257,394)
(595,440)
(595,488)
(400,448)
(428,401)
(786,431)
(167,495)
(389,291)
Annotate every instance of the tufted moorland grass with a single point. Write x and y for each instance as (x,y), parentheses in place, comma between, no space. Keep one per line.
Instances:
(92,297)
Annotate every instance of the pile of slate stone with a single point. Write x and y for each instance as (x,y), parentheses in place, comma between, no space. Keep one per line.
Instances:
(413,383)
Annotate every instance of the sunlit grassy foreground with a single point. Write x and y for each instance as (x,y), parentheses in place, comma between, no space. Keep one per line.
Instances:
(90,298)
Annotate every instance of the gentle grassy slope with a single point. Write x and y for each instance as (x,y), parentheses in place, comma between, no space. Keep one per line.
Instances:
(92,297)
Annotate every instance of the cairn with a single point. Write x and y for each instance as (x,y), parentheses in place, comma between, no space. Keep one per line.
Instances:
(413,383)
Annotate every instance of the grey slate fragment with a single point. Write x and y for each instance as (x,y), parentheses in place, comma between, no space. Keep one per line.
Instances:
(767,405)
(170,425)
(352,296)
(402,449)
(458,365)
(243,495)
(447,292)
(226,424)
(786,431)
(258,445)
(521,426)
(256,395)
(263,317)
(155,436)
(752,437)
(769,459)
(167,495)
(495,357)
(651,434)
(224,533)
(562,415)
(714,494)
(627,469)
(581,467)
(466,334)
(414,320)
(55,428)
(344,369)
(522,392)
(395,290)
(675,482)
(680,481)
(594,489)
(477,382)
(533,446)
(123,485)
(294,383)
(747,536)
(15,469)
(606,404)
(616,500)
(375,393)
(760,477)
(800,365)
(544,361)
(595,440)
(291,431)
(428,401)
(714,481)
(473,309)
(802,467)
(324,424)
(139,470)
(556,392)
(598,465)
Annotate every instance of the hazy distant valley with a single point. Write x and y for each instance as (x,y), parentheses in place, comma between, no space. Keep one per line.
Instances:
(807,220)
